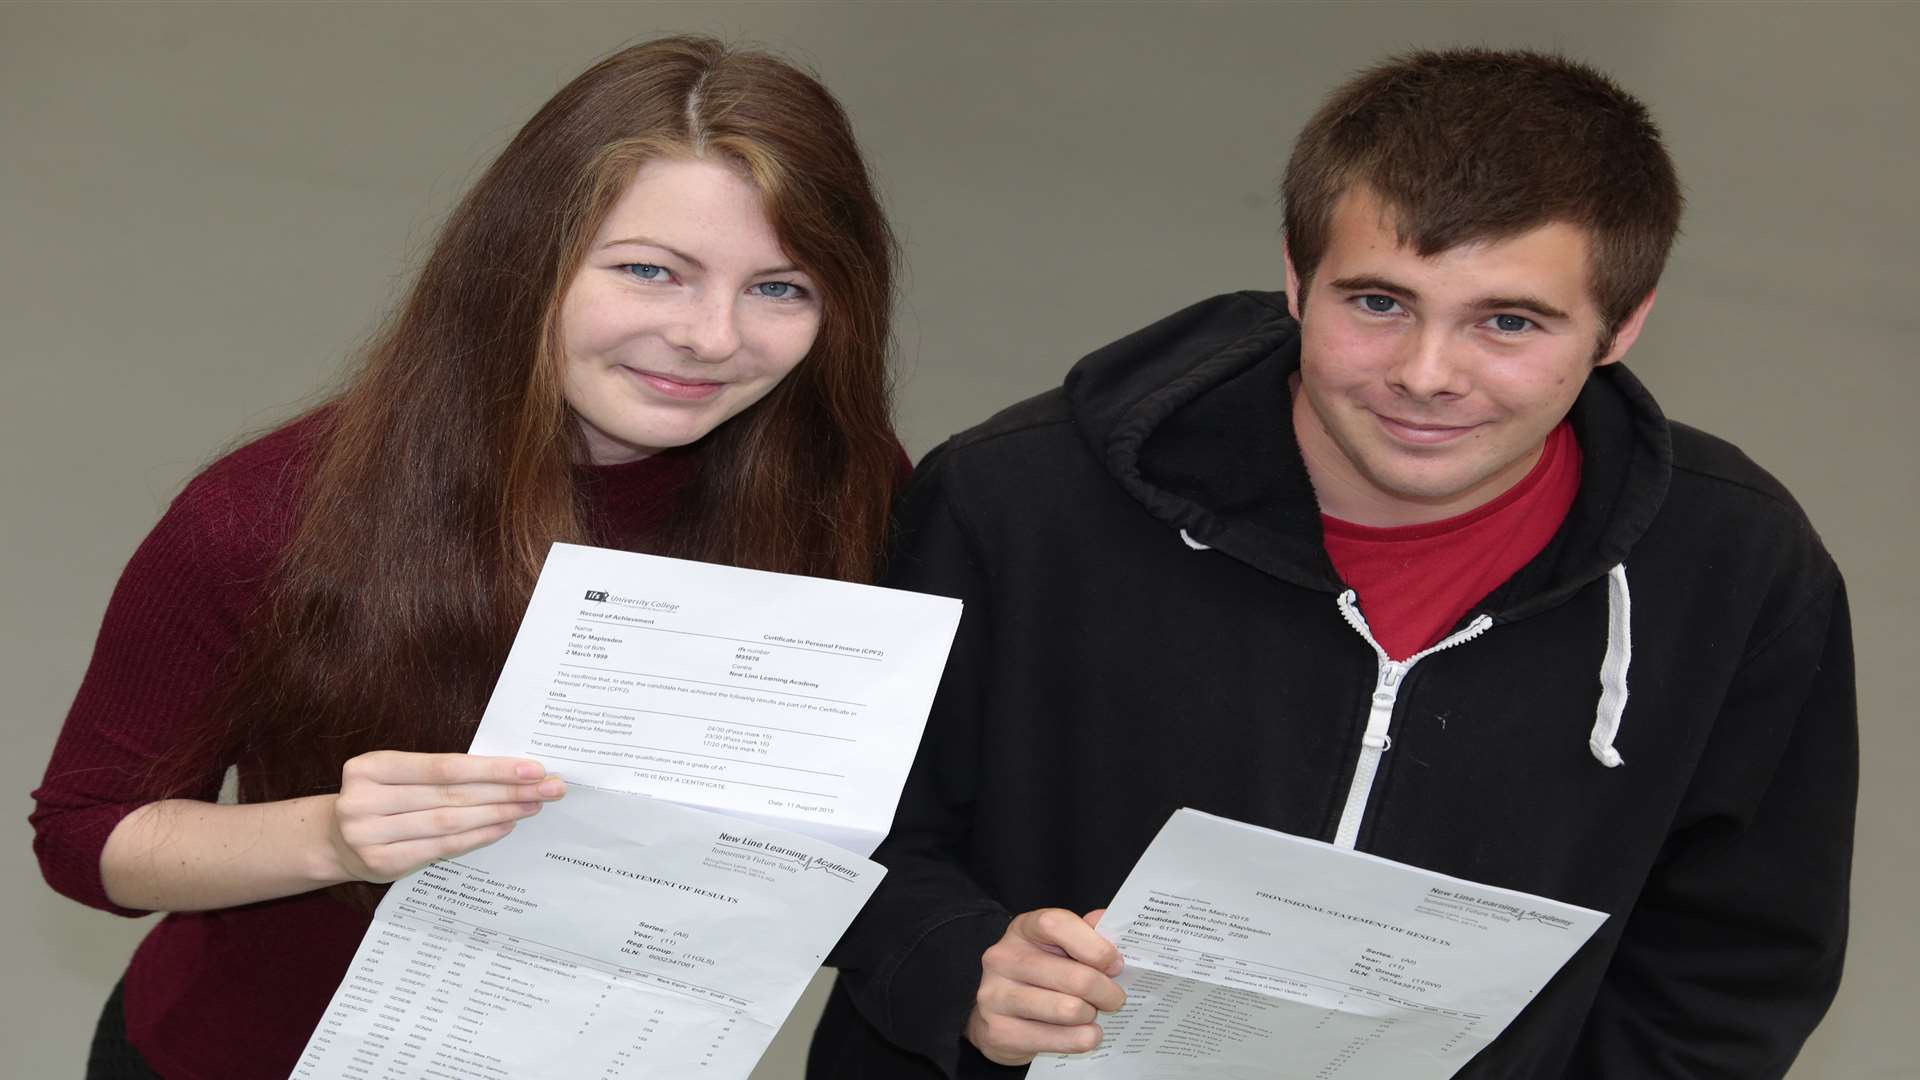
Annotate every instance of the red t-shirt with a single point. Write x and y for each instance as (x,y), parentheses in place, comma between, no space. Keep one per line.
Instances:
(1416,582)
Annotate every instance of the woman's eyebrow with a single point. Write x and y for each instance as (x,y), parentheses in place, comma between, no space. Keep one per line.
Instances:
(668,248)
(783,268)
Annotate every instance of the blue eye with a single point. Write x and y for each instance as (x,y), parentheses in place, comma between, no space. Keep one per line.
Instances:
(646,271)
(778,290)
(1511,324)
(1378,304)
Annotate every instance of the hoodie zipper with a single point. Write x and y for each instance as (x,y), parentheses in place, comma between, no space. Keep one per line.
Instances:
(1374,741)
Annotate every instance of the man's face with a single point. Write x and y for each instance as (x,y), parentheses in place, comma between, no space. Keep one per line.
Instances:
(1428,384)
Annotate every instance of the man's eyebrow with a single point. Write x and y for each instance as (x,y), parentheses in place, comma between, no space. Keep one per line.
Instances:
(1375,283)
(1524,303)
(669,249)
(1372,283)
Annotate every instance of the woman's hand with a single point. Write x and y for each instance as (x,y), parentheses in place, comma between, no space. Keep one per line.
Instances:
(397,812)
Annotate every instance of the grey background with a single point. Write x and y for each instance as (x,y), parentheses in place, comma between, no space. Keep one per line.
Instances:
(206,207)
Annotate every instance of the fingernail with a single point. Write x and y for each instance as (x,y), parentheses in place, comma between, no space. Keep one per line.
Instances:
(528,770)
(552,789)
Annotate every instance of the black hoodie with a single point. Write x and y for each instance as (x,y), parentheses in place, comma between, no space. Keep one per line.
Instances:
(1152,622)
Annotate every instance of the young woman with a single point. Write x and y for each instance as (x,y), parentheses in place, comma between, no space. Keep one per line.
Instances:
(659,321)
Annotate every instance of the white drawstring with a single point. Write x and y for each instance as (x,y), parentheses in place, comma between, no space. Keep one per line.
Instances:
(1192,543)
(1613,669)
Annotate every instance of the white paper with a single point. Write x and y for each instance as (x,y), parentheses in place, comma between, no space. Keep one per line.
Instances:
(792,700)
(615,934)
(1253,954)
(608,936)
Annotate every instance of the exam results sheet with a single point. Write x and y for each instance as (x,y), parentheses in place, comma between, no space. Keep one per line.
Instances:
(1253,954)
(610,936)
(792,700)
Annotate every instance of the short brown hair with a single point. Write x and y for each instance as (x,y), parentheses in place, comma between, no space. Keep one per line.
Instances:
(1475,144)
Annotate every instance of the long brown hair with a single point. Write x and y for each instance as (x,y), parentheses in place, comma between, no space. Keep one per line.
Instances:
(446,468)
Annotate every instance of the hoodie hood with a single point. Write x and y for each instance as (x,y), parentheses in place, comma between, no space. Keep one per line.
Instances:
(1192,417)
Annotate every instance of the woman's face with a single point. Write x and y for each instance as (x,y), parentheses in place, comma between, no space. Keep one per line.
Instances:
(685,312)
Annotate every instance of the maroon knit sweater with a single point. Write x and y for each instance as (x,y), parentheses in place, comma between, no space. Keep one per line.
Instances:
(230,994)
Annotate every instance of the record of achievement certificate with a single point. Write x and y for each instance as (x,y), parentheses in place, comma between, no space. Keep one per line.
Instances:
(734,744)
(792,700)
(1254,955)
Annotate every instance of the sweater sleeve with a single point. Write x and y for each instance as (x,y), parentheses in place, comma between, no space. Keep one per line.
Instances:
(171,625)
(1733,952)
(911,961)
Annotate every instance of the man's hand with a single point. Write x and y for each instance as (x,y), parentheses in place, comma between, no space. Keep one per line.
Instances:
(1041,985)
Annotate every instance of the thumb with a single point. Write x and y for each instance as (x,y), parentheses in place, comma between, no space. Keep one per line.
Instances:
(1093,920)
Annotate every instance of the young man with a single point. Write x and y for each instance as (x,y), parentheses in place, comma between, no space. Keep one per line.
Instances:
(1378,562)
